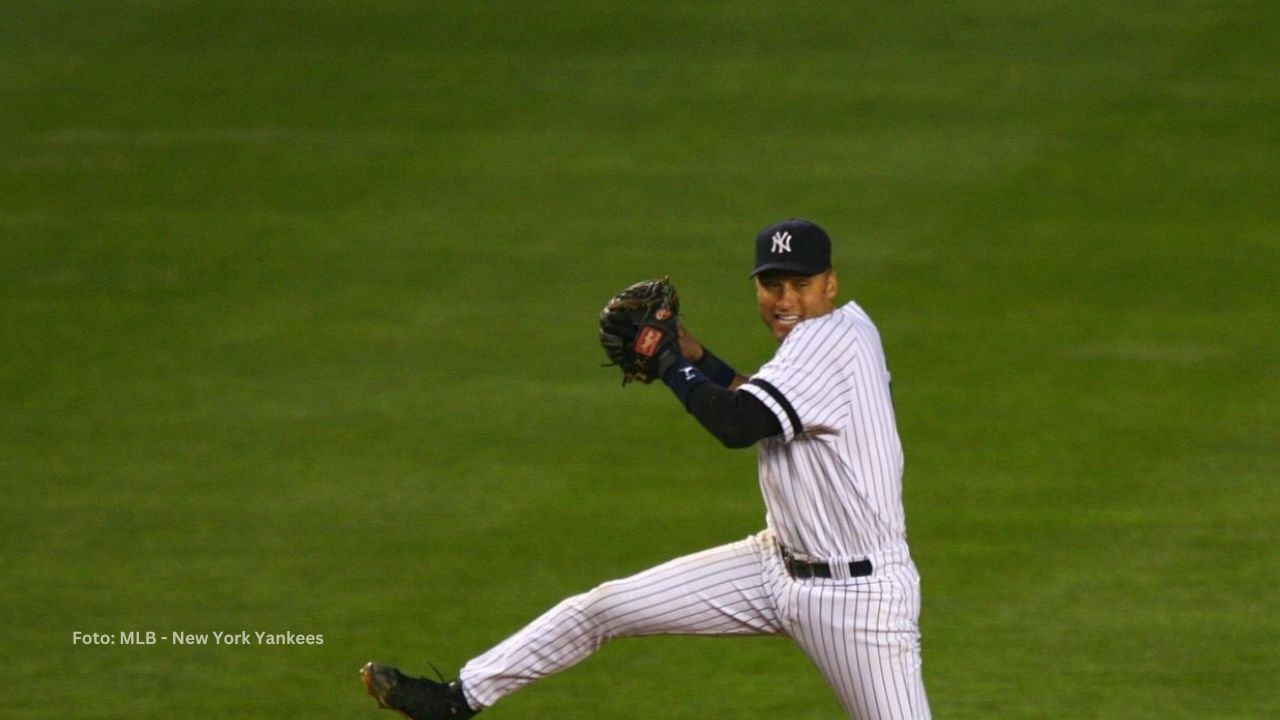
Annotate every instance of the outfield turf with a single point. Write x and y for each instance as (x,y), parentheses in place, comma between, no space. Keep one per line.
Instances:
(298,299)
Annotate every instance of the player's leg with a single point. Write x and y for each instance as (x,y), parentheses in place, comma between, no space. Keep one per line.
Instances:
(863,635)
(721,591)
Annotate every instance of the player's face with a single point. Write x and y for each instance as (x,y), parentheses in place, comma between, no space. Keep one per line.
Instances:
(786,299)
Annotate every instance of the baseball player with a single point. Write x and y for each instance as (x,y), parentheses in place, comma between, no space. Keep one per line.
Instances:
(831,571)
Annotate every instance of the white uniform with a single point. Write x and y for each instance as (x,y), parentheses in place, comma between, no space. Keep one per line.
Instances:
(832,485)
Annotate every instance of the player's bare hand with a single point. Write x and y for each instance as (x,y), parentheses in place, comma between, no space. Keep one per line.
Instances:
(690,348)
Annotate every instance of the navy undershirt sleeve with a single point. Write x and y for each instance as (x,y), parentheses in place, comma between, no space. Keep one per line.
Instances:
(737,419)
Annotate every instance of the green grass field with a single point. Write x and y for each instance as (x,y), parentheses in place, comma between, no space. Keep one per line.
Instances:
(298,305)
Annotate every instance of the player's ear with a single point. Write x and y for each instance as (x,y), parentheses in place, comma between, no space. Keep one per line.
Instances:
(831,284)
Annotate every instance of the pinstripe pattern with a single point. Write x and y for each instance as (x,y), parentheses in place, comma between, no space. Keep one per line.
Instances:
(834,492)
(832,484)
(862,635)
(859,632)
(721,591)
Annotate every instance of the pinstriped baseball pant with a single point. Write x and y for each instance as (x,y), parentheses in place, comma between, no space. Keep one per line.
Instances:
(861,633)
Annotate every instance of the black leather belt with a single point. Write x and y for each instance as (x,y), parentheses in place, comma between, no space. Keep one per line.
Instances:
(802,570)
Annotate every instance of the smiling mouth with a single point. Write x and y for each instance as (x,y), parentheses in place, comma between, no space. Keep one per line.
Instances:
(787,320)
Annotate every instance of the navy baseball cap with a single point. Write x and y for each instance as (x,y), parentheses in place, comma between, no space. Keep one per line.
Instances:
(795,246)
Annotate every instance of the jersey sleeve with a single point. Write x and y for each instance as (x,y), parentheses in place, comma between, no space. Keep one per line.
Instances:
(736,419)
(798,384)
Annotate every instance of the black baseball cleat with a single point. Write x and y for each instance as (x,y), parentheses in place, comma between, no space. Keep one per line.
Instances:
(415,698)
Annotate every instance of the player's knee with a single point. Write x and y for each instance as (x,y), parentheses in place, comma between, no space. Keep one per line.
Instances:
(599,607)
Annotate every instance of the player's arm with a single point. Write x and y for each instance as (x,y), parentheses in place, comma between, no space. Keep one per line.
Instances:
(716,370)
(736,419)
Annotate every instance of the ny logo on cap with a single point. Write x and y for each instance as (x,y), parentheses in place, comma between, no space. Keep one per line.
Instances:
(781,242)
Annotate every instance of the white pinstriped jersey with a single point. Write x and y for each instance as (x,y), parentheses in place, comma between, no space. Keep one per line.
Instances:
(832,482)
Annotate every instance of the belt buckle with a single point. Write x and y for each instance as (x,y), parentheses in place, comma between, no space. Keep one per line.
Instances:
(801,570)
